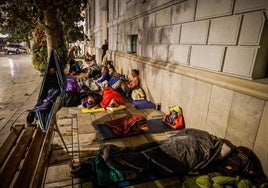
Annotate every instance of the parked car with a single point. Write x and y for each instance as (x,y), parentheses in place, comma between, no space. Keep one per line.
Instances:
(15,48)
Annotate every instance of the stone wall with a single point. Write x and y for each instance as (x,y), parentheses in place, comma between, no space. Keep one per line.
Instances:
(223,36)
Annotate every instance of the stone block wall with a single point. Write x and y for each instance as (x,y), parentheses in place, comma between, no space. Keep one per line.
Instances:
(225,36)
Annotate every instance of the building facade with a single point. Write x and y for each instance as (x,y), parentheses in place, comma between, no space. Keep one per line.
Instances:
(208,56)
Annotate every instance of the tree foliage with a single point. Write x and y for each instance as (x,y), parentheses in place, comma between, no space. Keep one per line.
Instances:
(57,19)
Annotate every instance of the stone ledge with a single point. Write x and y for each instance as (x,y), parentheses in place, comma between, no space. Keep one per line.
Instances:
(248,87)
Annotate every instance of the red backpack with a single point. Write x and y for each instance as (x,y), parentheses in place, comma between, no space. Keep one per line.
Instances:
(174,118)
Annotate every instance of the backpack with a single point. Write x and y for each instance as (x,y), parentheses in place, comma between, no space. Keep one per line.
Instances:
(138,94)
(174,118)
(242,162)
(72,85)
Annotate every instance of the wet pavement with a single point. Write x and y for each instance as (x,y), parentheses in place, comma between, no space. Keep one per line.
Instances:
(19,89)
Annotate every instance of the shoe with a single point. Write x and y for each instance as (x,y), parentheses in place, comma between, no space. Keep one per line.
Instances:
(30,118)
(82,171)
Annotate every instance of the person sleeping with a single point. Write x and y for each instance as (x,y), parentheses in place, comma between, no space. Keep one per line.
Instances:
(187,150)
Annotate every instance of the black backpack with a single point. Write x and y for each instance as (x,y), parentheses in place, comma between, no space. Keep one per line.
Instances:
(242,162)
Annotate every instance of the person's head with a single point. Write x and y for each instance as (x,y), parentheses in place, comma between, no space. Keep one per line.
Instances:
(135,72)
(52,70)
(113,103)
(109,62)
(87,55)
(88,60)
(104,69)
(106,41)
(79,63)
(110,66)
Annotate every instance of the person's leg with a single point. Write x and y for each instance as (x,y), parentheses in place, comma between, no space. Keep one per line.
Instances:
(104,84)
(94,86)
(117,85)
(128,92)
(123,86)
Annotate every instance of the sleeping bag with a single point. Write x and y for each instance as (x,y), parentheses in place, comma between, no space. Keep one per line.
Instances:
(109,94)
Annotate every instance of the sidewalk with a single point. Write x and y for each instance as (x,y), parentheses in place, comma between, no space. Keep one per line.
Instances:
(80,133)
(19,90)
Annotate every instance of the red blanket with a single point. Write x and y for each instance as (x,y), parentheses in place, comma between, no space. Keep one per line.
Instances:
(128,125)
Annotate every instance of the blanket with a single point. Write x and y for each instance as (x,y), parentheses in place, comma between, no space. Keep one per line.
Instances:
(128,125)
(143,104)
(92,110)
(155,126)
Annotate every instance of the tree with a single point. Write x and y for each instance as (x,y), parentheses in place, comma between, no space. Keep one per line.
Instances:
(56,18)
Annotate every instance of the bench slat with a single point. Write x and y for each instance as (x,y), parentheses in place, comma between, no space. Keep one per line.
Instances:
(44,156)
(10,168)
(26,172)
(10,142)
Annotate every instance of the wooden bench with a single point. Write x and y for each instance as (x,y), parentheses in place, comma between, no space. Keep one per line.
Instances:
(24,155)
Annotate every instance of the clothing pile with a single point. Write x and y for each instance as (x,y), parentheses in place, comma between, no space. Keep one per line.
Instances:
(43,106)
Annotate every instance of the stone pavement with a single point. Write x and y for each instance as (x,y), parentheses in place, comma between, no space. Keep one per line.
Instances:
(80,133)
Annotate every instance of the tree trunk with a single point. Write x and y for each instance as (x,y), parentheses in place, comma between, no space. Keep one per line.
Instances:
(51,29)
(54,31)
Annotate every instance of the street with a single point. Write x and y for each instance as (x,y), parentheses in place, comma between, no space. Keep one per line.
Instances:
(19,89)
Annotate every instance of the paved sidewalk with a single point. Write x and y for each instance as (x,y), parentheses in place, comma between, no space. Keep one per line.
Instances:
(19,90)
(80,132)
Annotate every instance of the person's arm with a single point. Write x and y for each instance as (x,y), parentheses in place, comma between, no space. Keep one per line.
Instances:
(91,64)
(104,77)
(81,76)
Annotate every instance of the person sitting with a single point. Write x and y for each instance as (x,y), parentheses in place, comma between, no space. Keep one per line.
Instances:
(128,85)
(76,68)
(84,66)
(105,77)
(93,70)
(112,70)
(87,55)
(135,80)
(115,80)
